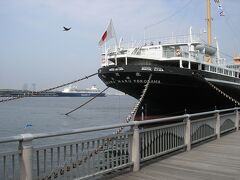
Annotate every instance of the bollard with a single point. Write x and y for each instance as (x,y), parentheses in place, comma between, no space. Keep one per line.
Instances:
(135,149)
(25,146)
(188,133)
(218,124)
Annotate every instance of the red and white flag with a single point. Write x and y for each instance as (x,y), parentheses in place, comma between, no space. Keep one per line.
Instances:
(108,34)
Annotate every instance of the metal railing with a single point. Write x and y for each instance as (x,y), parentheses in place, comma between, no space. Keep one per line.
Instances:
(83,158)
(161,140)
(203,129)
(91,157)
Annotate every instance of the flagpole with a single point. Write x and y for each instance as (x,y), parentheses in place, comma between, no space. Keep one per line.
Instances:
(108,34)
(116,41)
(115,37)
(105,49)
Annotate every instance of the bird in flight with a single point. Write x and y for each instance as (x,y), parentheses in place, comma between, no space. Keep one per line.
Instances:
(66,29)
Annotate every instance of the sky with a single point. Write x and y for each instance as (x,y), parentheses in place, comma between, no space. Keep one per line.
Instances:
(34,49)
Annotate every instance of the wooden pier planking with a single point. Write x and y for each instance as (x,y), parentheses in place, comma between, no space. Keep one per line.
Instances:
(218,159)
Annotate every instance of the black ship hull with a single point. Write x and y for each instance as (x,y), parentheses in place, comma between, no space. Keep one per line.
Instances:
(172,90)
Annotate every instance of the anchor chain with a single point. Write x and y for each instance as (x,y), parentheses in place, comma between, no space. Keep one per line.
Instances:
(46,90)
(223,93)
(60,170)
(132,115)
(220,91)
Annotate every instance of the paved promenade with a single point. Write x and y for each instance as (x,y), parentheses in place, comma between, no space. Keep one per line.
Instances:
(216,160)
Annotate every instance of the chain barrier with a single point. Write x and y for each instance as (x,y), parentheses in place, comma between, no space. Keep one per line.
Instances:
(220,91)
(46,90)
(79,162)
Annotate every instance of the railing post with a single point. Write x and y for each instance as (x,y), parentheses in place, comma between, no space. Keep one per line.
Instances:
(188,133)
(135,149)
(25,146)
(130,142)
(218,124)
(237,120)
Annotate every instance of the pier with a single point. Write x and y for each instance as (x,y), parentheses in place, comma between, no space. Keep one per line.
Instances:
(193,146)
(219,159)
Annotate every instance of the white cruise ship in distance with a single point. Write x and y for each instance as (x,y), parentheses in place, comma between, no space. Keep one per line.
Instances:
(72,91)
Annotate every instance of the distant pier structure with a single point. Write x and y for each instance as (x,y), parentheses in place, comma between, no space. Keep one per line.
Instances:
(34,87)
(26,93)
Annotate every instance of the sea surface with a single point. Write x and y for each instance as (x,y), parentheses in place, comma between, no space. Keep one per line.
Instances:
(47,114)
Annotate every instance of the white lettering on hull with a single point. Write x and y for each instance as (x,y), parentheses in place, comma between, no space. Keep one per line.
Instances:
(136,81)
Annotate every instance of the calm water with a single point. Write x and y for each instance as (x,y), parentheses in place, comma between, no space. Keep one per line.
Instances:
(46,114)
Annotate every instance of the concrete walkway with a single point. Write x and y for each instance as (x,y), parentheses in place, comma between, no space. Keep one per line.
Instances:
(216,160)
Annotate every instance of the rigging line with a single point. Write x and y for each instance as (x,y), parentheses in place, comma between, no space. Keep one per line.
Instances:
(46,90)
(170,16)
(228,19)
(225,54)
(72,82)
(167,37)
(229,25)
(87,101)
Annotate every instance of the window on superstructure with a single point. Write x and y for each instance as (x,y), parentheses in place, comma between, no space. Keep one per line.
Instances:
(220,70)
(213,69)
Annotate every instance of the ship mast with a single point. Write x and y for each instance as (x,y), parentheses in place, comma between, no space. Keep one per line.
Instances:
(209,29)
(209,23)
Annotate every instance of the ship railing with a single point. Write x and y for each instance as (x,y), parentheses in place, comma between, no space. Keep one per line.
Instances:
(224,70)
(155,52)
(178,39)
(181,39)
(109,152)
(149,47)
(173,53)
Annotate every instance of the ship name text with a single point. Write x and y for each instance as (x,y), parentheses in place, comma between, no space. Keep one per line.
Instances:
(137,81)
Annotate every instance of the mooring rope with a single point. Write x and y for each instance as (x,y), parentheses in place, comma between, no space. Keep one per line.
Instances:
(68,166)
(87,101)
(46,90)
